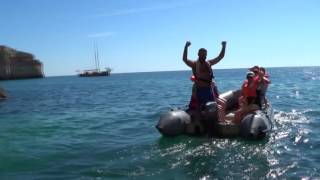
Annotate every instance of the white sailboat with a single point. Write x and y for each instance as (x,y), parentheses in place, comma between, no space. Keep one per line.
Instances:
(96,71)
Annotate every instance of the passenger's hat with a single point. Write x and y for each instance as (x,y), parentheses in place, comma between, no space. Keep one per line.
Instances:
(250,74)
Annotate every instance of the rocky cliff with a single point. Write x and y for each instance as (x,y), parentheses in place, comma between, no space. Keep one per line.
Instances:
(18,65)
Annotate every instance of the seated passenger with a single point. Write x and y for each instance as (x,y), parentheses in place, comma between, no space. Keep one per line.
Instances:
(262,88)
(265,86)
(249,94)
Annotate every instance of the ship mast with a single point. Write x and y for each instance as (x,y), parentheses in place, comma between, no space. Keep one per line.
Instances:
(98,60)
(96,56)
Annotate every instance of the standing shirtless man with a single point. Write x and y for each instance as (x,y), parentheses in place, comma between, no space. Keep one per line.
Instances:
(204,87)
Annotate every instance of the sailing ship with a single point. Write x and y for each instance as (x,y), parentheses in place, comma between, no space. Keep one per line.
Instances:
(96,71)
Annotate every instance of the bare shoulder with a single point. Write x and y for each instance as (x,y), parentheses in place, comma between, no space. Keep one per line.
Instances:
(191,63)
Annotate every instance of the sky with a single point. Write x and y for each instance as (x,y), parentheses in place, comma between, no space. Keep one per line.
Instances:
(149,35)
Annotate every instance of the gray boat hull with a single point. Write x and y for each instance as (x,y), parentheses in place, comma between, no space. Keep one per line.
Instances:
(255,125)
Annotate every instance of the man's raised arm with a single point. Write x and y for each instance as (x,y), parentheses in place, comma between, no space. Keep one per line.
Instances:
(220,56)
(185,55)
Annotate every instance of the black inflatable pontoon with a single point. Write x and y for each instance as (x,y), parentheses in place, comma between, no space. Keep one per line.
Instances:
(255,125)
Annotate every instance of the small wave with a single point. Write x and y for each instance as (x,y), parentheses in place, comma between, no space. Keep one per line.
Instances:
(276,173)
(311,112)
(313,74)
(301,136)
(291,128)
(293,116)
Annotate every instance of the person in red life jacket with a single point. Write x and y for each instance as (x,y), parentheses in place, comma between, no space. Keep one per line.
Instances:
(249,88)
(204,89)
(262,84)
(249,94)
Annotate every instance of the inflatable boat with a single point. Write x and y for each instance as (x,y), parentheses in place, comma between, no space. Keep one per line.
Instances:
(2,94)
(254,125)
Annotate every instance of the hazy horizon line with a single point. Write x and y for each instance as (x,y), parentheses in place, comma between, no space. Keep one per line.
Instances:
(272,67)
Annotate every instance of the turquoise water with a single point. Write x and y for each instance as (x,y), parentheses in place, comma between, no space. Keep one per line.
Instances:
(104,127)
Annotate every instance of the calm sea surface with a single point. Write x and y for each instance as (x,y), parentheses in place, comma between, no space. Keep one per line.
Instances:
(104,128)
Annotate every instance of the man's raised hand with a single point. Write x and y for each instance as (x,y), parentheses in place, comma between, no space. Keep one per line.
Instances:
(188,43)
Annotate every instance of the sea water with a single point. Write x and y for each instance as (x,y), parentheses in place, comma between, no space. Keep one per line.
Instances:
(104,128)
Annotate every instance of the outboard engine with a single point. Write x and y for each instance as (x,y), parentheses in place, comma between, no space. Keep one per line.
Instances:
(202,121)
(255,125)
(173,123)
(210,117)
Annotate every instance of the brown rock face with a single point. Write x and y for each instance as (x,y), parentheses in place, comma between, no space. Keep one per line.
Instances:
(18,65)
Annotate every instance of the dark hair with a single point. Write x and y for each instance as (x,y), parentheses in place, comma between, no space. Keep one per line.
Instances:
(202,49)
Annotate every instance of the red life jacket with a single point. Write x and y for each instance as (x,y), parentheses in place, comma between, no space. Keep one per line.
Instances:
(196,72)
(250,90)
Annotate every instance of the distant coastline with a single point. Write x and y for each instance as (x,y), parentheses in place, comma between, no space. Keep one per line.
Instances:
(16,64)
